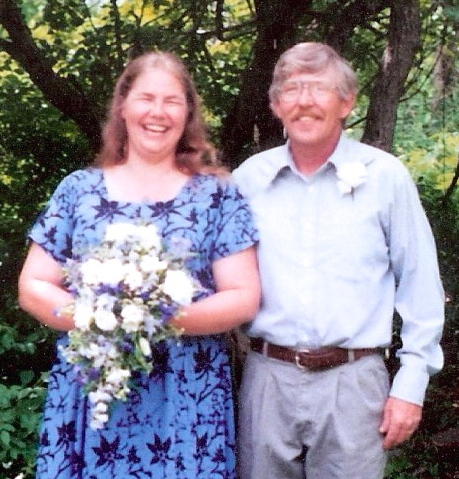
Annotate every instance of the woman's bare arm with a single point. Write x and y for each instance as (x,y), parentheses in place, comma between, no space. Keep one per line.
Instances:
(236,301)
(40,289)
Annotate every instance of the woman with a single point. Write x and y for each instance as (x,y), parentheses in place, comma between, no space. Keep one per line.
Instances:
(157,166)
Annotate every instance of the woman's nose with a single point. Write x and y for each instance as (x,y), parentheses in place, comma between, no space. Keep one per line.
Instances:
(157,107)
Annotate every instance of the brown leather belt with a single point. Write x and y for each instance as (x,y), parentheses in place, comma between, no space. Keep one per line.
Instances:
(311,359)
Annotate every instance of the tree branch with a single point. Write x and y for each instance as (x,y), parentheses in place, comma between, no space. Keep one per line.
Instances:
(59,91)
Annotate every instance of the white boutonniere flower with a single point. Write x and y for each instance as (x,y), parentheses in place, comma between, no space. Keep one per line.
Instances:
(350,176)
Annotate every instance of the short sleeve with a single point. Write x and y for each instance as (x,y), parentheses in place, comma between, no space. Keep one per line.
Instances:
(235,229)
(54,226)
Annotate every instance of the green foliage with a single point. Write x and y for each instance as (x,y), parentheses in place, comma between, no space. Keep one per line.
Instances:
(20,413)
(88,43)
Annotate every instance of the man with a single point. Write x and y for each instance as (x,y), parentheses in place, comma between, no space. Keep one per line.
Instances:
(344,242)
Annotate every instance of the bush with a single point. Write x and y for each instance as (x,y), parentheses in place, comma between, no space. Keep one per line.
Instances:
(20,414)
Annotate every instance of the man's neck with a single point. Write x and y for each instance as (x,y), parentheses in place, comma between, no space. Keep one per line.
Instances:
(309,159)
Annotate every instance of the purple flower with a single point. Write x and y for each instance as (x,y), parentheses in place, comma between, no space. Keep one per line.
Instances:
(93,374)
(168,311)
(126,346)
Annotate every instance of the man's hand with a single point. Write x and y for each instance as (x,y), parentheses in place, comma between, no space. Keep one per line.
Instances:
(400,420)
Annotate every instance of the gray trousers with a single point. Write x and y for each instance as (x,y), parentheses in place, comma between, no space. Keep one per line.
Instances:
(297,424)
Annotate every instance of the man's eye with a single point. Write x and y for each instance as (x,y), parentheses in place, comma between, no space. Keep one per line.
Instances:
(290,89)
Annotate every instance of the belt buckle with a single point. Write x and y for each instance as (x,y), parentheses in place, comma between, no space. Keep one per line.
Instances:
(297,358)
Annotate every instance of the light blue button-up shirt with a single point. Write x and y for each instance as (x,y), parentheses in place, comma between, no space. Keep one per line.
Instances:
(335,262)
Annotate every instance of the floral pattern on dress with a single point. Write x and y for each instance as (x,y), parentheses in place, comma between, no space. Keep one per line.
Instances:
(178,422)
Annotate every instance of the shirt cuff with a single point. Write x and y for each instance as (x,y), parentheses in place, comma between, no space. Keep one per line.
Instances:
(410,385)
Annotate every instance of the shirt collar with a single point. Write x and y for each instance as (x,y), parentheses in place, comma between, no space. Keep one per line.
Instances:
(280,158)
(347,151)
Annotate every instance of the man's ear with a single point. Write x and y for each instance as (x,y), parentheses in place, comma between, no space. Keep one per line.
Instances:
(274,108)
(347,105)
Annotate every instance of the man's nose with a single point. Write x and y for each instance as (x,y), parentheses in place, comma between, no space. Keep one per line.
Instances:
(306,95)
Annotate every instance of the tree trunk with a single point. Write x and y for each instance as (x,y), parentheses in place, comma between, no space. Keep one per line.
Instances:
(402,43)
(250,126)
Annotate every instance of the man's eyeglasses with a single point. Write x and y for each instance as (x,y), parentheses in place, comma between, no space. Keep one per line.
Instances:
(291,90)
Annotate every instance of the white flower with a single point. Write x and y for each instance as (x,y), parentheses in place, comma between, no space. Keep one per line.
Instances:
(83,315)
(132,277)
(133,317)
(99,396)
(89,351)
(118,376)
(144,346)
(101,407)
(104,301)
(121,392)
(178,286)
(350,176)
(98,421)
(111,272)
(118,232)
(105,320)
(112,352)
(90,271)
(151,324)
(149,237)
(152,264)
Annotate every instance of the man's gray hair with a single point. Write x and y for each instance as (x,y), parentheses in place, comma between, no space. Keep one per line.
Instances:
(313,57)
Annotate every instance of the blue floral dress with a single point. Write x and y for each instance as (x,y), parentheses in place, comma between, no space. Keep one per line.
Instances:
(178,422)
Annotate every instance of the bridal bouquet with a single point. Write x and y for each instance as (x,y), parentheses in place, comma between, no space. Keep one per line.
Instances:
(125,291)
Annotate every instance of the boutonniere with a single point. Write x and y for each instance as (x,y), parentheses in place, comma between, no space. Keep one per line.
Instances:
(350,176)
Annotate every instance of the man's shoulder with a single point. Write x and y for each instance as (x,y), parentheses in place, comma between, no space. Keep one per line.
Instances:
(367,153)
(266,159)
(375,158)
(259,170)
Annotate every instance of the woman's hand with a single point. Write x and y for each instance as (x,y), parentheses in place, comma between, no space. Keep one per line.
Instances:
(236,300)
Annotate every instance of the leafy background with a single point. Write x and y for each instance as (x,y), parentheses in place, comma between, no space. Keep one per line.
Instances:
(87,43)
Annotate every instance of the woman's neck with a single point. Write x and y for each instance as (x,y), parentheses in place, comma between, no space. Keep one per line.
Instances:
(136,181)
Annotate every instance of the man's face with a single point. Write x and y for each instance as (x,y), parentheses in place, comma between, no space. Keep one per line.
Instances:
(311,109)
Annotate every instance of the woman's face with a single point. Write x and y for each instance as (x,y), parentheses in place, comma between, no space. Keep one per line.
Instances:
(155,112)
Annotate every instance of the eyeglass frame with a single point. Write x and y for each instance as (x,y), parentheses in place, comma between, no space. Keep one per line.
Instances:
(312,87)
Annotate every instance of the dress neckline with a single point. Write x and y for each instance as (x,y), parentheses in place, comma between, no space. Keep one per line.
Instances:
(147,202)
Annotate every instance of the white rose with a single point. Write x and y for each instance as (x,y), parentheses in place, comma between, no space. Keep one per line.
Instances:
(90,271)
(149,237)
(83,316)
(132,276)
(133,317)
(350,176)
(105,320)
(118,376)
(178,286)
(152,263)
(119,232)
(111,272)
